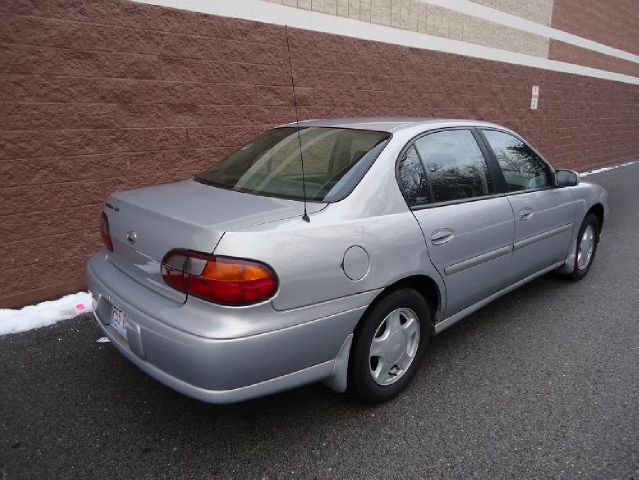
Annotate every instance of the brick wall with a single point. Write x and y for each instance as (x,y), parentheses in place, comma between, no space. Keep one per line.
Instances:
(566,52)
(97,96)
(611,22)
(539,11)
(419,16)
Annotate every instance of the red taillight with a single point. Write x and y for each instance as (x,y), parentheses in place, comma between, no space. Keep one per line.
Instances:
(225,280)
(104,232)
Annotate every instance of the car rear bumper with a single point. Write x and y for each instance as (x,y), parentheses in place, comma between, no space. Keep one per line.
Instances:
(220,370)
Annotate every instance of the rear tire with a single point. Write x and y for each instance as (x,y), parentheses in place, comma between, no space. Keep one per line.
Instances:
(587,241)
(389,346)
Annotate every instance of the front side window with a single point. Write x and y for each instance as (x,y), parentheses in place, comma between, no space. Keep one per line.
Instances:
(455,166)
(335,160)
(523,169)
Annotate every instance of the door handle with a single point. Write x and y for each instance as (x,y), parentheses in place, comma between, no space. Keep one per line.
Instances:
(439,237)
(525,214)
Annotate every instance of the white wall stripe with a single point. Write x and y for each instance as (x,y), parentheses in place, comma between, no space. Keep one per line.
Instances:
(267,12)
(513,21)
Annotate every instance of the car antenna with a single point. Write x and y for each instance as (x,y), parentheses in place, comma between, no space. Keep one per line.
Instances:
(305,217)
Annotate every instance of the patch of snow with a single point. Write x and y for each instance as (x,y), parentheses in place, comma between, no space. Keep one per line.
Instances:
(103,340)
(44,313)
(605,169)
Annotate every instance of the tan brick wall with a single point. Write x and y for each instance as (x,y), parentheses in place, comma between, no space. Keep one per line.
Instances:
(539,11)
(419,16)
(102,95)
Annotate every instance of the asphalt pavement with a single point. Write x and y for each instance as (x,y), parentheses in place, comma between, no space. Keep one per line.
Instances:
(543,383)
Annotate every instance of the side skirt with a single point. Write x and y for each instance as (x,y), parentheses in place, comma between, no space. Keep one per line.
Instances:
(452,320)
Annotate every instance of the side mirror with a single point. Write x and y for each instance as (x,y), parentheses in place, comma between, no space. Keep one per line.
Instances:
(566,178)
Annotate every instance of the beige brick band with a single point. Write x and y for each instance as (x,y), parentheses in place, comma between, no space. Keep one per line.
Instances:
(420,16)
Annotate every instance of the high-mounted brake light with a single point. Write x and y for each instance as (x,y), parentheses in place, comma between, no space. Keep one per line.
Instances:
(104,232)
(225,280)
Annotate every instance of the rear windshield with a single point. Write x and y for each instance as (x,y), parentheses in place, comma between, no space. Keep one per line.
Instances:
(335,160)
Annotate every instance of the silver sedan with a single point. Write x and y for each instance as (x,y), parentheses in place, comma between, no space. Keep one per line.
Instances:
(331,251)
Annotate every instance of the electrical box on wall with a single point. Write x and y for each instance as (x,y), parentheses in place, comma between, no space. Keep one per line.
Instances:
(534,100)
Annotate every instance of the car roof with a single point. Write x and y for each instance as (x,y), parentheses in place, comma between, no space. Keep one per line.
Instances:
(391,124)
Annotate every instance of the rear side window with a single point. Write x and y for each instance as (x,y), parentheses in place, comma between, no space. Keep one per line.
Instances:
(412,178)
(335,160)
(523,169)
(455,166)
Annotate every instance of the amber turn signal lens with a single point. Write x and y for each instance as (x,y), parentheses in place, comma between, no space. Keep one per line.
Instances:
(227,270)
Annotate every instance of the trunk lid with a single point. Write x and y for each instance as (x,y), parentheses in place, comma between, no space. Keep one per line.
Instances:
(145,224)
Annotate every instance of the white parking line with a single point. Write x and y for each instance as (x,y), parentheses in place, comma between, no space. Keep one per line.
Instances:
(605,169)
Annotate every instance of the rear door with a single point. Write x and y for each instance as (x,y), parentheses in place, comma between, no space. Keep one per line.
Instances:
(544,215)
(467,225)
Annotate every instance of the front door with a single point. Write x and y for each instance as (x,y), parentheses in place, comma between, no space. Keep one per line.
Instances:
(467,226)
(544,214)
(543,229)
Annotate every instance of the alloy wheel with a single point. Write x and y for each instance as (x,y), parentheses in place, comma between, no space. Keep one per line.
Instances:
(394,346)
(586,247)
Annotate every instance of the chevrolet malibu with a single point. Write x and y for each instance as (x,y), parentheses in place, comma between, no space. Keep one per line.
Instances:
(331,251)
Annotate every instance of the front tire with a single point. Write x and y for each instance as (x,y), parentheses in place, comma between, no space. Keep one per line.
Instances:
(389,346)
(587,241)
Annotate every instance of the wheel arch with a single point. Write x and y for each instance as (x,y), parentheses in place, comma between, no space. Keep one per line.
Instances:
(598,211)
(424,284)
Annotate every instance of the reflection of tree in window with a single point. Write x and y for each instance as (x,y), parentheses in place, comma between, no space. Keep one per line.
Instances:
(413,179)
(455,165)
(517,158)
(521,166)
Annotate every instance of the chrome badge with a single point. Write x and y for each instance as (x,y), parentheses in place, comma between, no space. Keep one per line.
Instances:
(131,237)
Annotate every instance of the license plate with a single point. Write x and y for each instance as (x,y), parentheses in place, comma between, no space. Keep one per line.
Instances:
(118,321)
